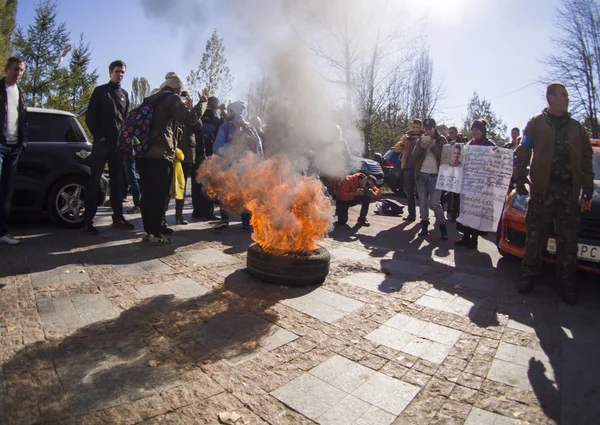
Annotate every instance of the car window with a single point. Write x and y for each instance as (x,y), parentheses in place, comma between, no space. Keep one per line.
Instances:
(52,128)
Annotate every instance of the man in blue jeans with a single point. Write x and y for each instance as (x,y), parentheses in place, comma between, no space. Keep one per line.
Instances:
(108,107)
(13,139)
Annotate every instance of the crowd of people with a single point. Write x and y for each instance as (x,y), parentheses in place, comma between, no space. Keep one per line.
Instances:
(171,137)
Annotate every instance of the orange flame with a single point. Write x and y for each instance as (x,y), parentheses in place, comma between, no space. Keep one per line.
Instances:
(290,213)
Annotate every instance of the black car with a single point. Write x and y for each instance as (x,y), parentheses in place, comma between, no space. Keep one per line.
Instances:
(391,163)
(54,169)
(366,166)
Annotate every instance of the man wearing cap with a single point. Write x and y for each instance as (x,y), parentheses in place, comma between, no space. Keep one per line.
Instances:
(406,146)
(556,154)
(428,154)
(235,137)
(109,105)
(154,168)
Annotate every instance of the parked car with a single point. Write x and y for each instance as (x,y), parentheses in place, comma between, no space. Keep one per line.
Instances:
(368,167)
(512,230)
(54,169)
(391,162)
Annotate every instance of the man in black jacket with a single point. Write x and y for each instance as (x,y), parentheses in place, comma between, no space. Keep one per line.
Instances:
(108,107)
(13,138)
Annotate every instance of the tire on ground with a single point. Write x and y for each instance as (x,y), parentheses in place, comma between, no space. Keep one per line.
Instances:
(54,191)
(283,270)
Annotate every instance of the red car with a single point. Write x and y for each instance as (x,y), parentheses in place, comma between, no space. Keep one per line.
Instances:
(510,237)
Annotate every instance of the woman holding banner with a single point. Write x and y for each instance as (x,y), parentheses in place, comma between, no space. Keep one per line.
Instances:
(470,235)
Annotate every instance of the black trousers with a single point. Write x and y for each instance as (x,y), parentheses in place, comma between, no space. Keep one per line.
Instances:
(409,189)
(204,207)
(342,208)
(154,184)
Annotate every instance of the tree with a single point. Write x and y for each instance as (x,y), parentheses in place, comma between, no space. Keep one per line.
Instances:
(42,46)
(425,93)
(481,108)
(576,58)
(140,89)
(258,97)
(213,76)
(8,10)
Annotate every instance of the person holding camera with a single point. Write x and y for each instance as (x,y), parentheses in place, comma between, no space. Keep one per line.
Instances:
(352,190)
(406,146)
(428,155)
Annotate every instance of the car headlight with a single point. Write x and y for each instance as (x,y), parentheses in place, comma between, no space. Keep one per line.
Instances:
(519,202)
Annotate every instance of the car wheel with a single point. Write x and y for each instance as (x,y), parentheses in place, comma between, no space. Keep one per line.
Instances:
(66,202)
(498,237)
(288,270)
(397,186)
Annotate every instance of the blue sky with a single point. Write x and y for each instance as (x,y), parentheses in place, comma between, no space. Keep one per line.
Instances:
(493,47)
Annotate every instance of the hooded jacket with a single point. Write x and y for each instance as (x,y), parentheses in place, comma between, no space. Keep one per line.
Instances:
(537,151)
(22,125)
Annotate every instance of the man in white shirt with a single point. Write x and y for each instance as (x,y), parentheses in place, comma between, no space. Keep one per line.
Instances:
(13,139)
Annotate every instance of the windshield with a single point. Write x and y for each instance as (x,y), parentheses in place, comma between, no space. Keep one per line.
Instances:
(596,164)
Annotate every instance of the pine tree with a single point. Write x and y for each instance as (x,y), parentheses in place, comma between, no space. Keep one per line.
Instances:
(213,76)
(482,108)
(140,89)
(42,46)
(8,10)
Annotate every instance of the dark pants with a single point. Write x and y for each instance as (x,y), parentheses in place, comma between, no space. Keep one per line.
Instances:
(101,154)
(453,200)
(204,207)
(154,184)
(132,180)
(342,208)
(246,216)
(9,159)
(556,208)
(409,189)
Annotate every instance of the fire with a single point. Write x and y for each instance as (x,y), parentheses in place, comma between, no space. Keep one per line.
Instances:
(290,213)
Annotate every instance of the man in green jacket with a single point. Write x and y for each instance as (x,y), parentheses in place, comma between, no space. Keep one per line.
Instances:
(558,152)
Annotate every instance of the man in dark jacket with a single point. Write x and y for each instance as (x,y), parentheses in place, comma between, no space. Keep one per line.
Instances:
(558,152)
(406,146)
(108,107)
(13,139)
(204,207)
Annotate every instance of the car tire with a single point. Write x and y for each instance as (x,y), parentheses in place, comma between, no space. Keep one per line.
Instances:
(498,236)
(396,184)
(66,201)
(287,270)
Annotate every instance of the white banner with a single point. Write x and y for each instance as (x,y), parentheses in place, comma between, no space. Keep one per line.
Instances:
(481,174)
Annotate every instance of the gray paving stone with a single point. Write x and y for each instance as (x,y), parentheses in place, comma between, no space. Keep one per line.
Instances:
(348,411)
(521,319)
(406,323)
(387,393)
(3,406)
(432,351)
(349,254)
(520,376)
(375,282)
(58,315)
(186,288)
(72,274)
(93,308)
(470,281)
(376,416)
(276,337)
(390,337)
(152,266)
(324,305)
(46,278)
(127,270)
(451,303)
(205,257)
(520,355)
(91,398)
(309,395)
(441,334)
(402,267)
(342,373)
(482,417)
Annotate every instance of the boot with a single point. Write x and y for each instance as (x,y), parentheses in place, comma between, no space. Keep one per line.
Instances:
(444,231)
(473,242)
(466,238)
(526,284)
(424,232)
(179,212)
(568,294)
(410,218)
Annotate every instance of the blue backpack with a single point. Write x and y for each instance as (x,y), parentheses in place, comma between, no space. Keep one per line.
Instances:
(134,136)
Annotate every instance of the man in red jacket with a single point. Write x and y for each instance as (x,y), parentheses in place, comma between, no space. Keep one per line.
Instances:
(356,189)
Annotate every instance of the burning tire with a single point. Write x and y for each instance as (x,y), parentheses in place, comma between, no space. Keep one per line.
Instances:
(288,270)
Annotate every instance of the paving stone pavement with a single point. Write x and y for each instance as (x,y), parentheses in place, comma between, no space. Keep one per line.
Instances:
(405,330)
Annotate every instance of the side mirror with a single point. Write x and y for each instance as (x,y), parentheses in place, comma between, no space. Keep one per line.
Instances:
(378,158)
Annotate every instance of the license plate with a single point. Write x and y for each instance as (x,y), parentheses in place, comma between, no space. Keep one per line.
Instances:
(379,181)
(585,252)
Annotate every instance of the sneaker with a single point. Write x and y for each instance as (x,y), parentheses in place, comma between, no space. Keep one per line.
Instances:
(134,210)
(166,230)
(9,240)
(363,221)
(145,237)
(159,240)
(221,225)
(123,224)
(90,229)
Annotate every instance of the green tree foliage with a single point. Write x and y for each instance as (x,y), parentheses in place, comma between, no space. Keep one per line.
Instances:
(213,76)
(8,10)
(482,108)
(140,89)
(42,45)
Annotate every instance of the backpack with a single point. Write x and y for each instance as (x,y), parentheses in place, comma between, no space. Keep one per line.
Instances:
(133,140)
(390,207)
